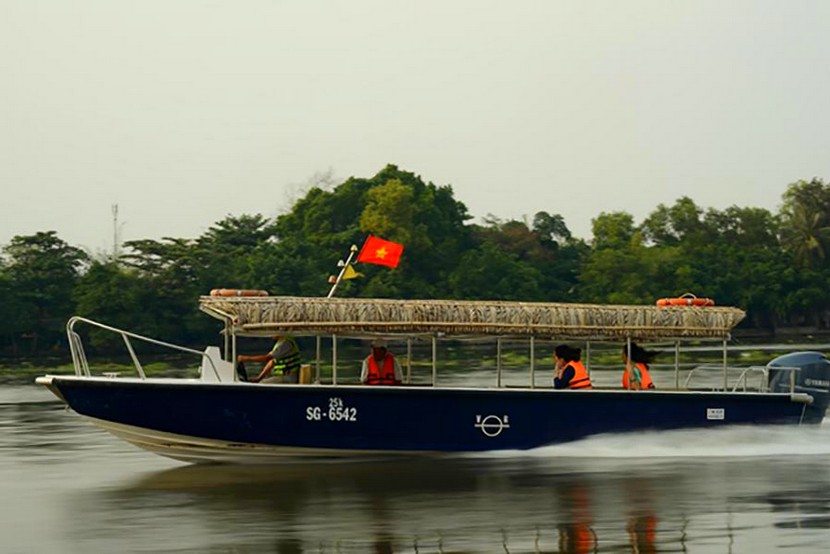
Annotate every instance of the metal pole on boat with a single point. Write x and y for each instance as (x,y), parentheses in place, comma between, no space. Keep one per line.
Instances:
(334,359)
(317,360)
(588,357)
(532,362)
(434,357)
(233,352)
(677,365)
(352,252)
(725,376)
(408,360)
(74,346)
(226,336)
(498,362)
(136,363)
(792,381)
(628,355)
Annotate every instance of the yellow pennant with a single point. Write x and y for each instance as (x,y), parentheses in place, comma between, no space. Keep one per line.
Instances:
(350,273)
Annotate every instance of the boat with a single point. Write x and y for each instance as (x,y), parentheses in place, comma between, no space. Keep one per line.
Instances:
(217,417)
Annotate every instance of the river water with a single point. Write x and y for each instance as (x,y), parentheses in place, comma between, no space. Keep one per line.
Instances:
(68,487)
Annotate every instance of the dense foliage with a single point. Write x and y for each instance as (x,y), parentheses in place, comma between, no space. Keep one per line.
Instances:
(772,264)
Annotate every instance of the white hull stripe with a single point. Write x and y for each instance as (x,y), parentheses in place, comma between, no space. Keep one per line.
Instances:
(198,449)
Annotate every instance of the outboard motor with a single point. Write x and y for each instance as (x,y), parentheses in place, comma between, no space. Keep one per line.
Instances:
(813,374)
(813,378)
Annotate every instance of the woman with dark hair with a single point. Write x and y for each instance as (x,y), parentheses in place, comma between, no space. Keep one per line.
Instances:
(635,375)
(569,373)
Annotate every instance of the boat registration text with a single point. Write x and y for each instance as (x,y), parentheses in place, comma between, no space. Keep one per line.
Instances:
(336,412)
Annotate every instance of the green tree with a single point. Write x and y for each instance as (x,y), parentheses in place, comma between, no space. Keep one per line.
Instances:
(623,269)
(805,222)
(805,237)
(14,316)
(806,234)
(393,204)
(613,230)
(548,249)
(551,228)
(225,255)
(390,212)
(116,296)
(489,272)
(41,272)
(745,227)
(170,268)
(671,225)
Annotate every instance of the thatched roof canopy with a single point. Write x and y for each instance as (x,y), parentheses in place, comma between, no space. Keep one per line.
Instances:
(369,316)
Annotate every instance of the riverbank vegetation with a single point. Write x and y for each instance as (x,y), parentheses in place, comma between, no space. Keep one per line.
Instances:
(772,264)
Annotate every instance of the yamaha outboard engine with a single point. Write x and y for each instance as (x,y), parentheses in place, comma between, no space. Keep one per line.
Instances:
(813,374)
(812,377)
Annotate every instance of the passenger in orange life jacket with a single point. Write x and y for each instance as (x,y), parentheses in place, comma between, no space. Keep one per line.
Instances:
(636,375)
(380,367)
(569,373)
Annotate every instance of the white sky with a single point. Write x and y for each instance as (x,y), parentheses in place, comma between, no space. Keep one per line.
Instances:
(184,111)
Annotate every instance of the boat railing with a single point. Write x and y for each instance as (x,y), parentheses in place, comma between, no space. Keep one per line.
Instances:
(744,376)
(742,381)
(79,359)
(701,368)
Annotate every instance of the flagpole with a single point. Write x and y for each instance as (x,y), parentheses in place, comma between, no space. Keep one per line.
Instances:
(352,252)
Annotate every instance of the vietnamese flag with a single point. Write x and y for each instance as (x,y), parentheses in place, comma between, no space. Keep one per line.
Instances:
(381,252)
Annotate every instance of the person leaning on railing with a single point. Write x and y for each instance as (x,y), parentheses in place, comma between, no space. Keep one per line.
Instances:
(282,363)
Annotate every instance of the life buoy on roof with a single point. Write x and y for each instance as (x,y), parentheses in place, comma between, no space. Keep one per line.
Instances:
(687,299)
(238,292)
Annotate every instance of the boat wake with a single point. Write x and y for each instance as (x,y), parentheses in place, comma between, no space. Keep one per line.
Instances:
(738,441)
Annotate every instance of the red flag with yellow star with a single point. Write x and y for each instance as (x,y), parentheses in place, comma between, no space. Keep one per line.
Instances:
(381,252)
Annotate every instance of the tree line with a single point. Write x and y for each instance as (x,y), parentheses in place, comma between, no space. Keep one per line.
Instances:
(774,265)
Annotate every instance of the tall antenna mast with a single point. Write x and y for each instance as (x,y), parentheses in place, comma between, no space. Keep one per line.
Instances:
(115,232)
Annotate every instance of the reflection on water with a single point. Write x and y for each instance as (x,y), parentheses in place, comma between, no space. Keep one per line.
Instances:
(76,489)
(390,505)
(478,505)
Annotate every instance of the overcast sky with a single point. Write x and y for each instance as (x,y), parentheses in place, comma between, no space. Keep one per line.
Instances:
(182,111)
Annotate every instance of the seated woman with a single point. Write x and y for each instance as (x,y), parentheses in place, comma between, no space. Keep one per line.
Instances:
(635,375)
(569,372)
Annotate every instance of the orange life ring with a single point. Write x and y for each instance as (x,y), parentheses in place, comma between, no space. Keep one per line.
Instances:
(238,292)
(687,299)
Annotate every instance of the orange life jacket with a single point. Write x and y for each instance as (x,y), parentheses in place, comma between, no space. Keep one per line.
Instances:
(642,532)
(577,537)
(645,378)
(580,380)
(385,376)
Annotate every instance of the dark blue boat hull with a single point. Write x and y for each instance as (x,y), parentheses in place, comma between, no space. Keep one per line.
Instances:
(414,419)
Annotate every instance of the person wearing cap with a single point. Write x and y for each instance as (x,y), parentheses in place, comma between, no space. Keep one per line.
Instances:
(282,363)
(380,367)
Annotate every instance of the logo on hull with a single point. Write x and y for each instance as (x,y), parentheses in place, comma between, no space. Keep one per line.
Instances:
(492,425)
